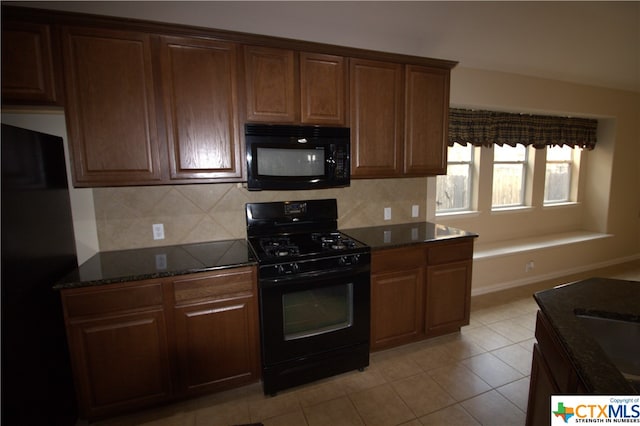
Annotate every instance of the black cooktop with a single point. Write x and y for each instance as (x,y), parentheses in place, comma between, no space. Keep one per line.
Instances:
(280,247)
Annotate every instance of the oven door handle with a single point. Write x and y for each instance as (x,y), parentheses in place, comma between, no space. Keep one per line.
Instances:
(326,273)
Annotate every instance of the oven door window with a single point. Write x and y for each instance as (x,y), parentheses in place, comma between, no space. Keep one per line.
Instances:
(317,311)
(284,162)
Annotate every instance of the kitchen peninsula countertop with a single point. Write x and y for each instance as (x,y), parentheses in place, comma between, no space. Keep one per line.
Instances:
(390,236)
(602,297)
(157,262)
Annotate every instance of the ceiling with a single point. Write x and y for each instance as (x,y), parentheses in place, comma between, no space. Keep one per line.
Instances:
(593,43)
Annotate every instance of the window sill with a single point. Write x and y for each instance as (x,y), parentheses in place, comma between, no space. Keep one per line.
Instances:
(458,214)
(567,204)
(516,209)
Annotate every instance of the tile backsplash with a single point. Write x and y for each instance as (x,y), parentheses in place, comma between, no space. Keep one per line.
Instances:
(197,213)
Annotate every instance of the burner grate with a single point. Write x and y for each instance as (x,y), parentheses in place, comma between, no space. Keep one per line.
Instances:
(279,247)
(333,241)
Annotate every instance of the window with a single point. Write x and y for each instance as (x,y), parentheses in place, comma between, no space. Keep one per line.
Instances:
(453,191)
(509,175)
(557,182)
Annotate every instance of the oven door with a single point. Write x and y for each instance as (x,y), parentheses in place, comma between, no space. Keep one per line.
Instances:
(306,314)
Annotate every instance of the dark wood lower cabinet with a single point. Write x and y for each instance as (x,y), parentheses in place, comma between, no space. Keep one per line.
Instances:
(551,373)
(216,329)
(123,362)
(137,344)
(448,297)
(397,297)
(419,291)
(541,387)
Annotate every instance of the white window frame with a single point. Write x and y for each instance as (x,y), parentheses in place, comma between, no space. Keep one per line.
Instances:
(523,186)
(470,183)
(572,164)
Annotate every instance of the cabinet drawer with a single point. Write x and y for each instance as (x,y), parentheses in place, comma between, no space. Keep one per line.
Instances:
(112,299)
(230,283)
(450,252)
(397,259)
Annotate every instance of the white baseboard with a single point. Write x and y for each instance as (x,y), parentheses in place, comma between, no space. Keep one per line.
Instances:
(556,274)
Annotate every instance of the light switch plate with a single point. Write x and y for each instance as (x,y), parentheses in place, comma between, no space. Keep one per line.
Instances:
(387,213)
(415,210)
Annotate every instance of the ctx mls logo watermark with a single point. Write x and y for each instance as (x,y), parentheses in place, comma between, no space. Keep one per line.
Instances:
(580,409)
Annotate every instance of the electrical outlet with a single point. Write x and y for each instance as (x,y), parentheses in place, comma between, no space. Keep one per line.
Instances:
(158,231)
(528,267)
(387,213)
(415,210)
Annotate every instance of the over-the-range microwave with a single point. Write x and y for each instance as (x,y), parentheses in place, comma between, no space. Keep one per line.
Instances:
(283,157)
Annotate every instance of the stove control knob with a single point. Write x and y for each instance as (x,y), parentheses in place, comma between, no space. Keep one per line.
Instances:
(349,260)
(291,268)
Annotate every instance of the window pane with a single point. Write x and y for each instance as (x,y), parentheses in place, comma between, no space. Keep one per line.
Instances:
(452,192)
(458,153)
(507,185)
(509,153)
(559,153)
(557,182)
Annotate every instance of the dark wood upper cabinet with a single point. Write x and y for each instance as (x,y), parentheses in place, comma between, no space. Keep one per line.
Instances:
(376,94)
(150,103)
(426,120)
(323,87)
(27,64)
(199,85)
(271,85)
(399,125)
(110,107)
(286,86)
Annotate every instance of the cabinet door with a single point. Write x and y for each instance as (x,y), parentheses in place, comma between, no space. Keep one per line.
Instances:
(376,93)
(426,120)
(448,297)
(199,80)
(216,329)
(322,89)
(397,308)
(110,107)
(118,346)
(541,387)
(271,85)
(216,345)
(27,64)
(120,362)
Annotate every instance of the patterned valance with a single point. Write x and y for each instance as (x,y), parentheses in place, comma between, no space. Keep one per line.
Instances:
(485,128)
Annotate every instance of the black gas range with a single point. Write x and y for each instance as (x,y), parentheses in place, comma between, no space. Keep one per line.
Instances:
(314,286)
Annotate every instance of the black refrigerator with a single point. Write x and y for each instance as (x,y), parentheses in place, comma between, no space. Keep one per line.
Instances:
(38,248)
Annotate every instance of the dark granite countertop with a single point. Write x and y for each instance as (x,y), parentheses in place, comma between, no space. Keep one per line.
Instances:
(382,237)
(602,297)
(157,262)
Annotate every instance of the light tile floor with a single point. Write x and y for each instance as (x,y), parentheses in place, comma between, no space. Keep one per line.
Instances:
(479,376)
